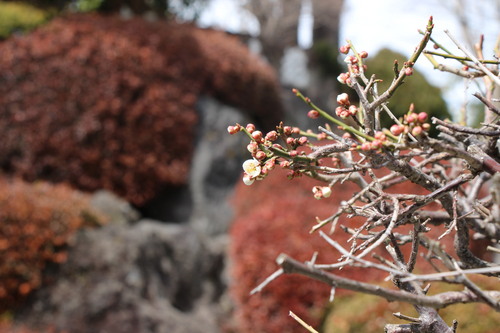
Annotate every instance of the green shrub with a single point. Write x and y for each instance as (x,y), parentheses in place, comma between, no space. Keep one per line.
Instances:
(20,17)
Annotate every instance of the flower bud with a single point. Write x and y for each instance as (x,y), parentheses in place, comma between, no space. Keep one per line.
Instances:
(416,131)
(397,129)
(290,141)
(302,140)
(363,54)
(257,136)
(409,71)
(250,128)
(233,129)
(353,109)
(252,147)
(284,164)
(270,163)
(426,126)
(296,130)
(272,136)
(345,49)
(313,114)
(422,117)
(366,146)
(322,136)
(293,153)
(343,99)
(287,130)
(343,77)
(376,144)
(380,136)
(339,110)
(411,118)
(260,155)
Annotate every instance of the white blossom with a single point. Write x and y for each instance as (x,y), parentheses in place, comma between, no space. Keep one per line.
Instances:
(252,168)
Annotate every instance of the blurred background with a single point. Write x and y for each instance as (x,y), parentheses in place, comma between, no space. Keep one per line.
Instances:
(121,202)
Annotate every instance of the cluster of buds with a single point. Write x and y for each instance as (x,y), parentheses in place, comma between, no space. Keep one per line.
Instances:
(354,63)
(380,139)
(263,159)
(414,123)
(345,109)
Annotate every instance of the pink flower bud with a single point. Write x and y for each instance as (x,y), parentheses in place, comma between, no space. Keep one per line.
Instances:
(380,136)
(290,141)
(409,71)
(351,60)
(339,110)
(422,117)
(257,136)
(287,130)
(296,130)
(376,144)
(363,54)
(233,129)
(344,114)
(270,163)
(250,128)
(252,147)
(416,131)
(302,140)
(346,135)
(322,136)
(397,129)
(343,99)
(426,126)
(284,164)
(260,155)
(343,77)
(295,91)
(293,153)
(272,136)
(366,146)
(353,109)
(411,118)
(345,49)
(313,114)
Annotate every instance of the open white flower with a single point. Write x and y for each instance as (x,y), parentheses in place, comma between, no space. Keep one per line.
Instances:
(252,168)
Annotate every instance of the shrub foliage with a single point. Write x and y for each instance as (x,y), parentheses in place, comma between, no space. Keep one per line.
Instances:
(102,102)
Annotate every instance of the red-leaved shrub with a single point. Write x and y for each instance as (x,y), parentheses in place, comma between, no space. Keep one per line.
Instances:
(275,216)
(36,223)
(103,102)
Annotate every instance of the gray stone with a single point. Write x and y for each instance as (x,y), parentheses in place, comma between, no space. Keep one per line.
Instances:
(116,209)
(149,277)
(216,166)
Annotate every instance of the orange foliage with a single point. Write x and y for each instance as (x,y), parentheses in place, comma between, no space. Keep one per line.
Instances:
(36,222)
(103,102)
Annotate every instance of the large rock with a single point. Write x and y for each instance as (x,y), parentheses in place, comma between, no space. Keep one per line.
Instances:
(151,277)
